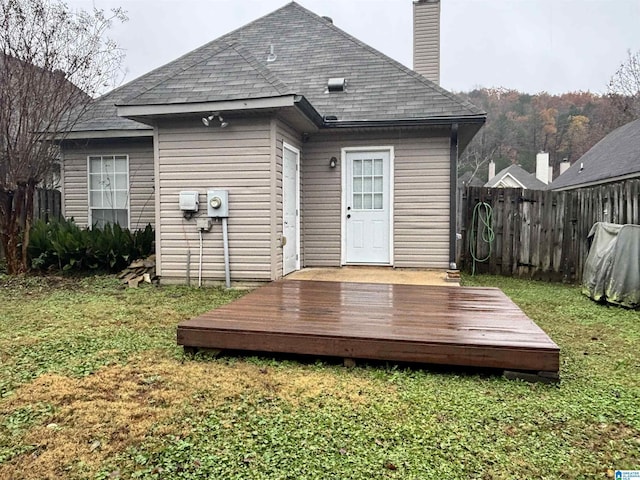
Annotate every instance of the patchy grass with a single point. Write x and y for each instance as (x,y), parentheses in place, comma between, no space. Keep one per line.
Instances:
(93,386)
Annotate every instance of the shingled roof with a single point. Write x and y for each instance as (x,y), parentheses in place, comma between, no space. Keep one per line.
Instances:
(309,50)
(614,157)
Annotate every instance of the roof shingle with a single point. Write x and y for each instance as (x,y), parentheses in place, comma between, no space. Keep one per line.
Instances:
(309,50)
(616,155)
(526,179)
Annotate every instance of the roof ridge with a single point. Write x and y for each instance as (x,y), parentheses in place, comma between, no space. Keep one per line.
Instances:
(281,87)
(475,110)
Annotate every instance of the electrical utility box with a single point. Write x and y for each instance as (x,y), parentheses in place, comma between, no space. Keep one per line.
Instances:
(189,201)
(217,203)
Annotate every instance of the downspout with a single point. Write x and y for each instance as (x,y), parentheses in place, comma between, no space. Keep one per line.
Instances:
(453,190)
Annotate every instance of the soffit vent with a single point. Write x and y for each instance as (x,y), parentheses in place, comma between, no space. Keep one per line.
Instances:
(337,84)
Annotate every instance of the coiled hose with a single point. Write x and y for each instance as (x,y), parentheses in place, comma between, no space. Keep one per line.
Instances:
(482,223)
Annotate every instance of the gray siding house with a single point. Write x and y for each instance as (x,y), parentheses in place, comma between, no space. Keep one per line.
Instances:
(514,176)
(331,152)
(615,158)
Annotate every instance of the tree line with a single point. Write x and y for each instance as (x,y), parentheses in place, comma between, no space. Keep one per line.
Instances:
(519,125)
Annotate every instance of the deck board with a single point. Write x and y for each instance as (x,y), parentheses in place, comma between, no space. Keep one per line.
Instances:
(469,326)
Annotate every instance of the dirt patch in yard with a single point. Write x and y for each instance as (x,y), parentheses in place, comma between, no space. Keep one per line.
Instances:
(96,417)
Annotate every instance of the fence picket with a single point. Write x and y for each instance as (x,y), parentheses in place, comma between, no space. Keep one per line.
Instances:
(544,233)
(47,205)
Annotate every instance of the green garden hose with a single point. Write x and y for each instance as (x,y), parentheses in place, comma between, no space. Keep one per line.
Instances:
(482,223)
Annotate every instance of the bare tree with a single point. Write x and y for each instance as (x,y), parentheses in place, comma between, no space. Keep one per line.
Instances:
(52,62)
(476,159)
(624,87)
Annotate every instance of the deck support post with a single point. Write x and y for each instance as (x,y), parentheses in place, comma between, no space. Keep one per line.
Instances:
(349,362)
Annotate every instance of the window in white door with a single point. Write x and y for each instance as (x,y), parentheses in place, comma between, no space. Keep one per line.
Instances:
(368,184)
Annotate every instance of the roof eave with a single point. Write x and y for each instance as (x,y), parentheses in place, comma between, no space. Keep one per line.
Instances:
(309,111)
(601,181)
(144,113)
(116,133)
(407,122)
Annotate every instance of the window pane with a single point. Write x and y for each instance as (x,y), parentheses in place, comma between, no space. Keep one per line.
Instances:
(96,218)
(377,169)
(95,165)
(367,168)
(123,218)
(366,202)
(121,165)
(357,202)
(99,217)
(357,167)
(357,185)
(120,199)
(107,199)
(367,185)
(377,187)
(95,198)
(121,181)
(377,201)
(95,181)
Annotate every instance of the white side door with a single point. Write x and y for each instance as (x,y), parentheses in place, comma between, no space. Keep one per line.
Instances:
(367,207)
(290,209)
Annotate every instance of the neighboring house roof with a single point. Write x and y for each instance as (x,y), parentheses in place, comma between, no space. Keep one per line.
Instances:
(465,180)
(516,176)
(308,51)
(615,157)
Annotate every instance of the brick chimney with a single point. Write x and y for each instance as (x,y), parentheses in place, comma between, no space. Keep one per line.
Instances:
(426,39)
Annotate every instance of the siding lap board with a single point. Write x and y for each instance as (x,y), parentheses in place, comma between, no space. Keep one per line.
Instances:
(421,196)
(141,188)
(237,159)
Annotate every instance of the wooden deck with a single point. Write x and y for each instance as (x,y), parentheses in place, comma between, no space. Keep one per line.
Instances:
(476,327)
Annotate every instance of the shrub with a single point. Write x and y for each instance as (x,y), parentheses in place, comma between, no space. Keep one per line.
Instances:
(62,244)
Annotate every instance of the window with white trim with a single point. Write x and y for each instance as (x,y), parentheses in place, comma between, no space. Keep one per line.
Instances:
(108,190)
(368,189)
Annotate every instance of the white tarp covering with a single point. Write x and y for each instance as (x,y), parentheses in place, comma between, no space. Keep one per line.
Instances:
(612,269)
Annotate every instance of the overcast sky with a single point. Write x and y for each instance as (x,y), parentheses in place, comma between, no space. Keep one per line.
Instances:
(529,45)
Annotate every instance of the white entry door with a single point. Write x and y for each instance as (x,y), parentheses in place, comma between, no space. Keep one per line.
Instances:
(290,208)
(367,207)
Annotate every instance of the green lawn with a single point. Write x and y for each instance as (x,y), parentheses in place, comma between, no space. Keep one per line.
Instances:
(93,386)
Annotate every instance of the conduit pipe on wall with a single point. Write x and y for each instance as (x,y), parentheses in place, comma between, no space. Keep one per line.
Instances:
(188,267)
(225,240)
(200,262)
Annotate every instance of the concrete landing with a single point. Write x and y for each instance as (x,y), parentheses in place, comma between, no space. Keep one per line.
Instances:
(367,274)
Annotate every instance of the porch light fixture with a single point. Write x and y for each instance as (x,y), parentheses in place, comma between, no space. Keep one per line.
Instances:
(333,162)
(207,120)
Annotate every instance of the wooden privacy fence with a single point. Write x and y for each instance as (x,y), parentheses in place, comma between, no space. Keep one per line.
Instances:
(47,205)
(542,234)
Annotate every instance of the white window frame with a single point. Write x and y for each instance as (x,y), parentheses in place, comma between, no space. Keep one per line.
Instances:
(89,207)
